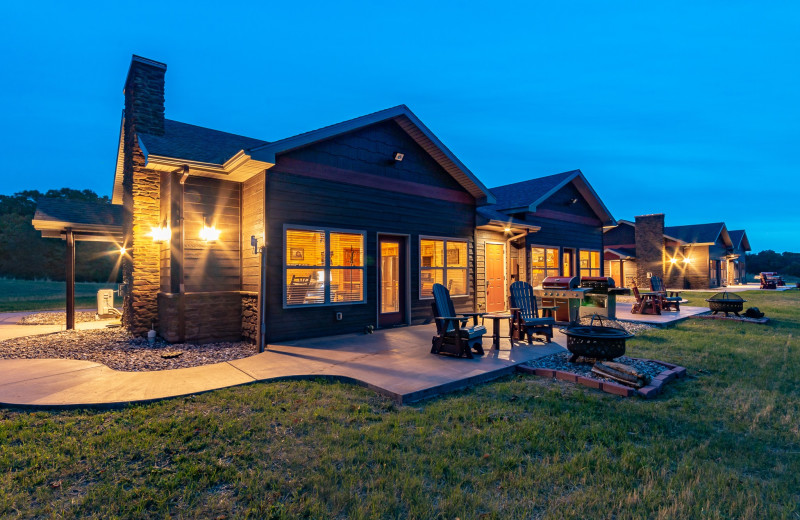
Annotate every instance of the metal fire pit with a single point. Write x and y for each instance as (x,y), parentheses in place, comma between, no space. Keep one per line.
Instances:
(726,302)
(595,341)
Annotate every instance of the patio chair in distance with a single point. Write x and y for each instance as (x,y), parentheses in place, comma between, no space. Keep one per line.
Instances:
(647,304)
(452,334)
(671,300)
(526,320)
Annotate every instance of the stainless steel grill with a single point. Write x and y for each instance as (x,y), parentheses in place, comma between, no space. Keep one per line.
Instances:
(566,293)
(601,297)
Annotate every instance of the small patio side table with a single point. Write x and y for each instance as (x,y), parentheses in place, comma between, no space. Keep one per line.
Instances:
(474,316)
(496,329)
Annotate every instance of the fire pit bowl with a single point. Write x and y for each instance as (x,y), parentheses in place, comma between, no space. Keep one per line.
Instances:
(595,341)
(726,302)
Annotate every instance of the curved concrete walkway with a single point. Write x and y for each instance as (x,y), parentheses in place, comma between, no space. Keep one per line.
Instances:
(396,363)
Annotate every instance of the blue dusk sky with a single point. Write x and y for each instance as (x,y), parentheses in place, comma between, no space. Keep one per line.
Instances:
(688,108)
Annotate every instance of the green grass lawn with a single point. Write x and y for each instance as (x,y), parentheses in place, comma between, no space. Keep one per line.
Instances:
(722,443)
(36,295)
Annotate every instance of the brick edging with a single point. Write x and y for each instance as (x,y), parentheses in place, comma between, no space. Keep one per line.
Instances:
(648,392)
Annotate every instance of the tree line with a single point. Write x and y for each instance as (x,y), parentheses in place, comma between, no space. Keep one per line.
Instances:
(770,261)
(25,254)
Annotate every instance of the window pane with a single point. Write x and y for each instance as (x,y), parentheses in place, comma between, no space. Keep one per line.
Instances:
(537,257)
(456,254)
(305,247)
(431,253)
(347,285)
(595,256)
(347,249)
(537,275)
(428,278)
(457,281)
(390,277)
(552,258)
(584,259)
(305,286)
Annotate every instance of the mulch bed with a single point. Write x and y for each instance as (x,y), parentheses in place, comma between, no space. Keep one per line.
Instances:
(119,350)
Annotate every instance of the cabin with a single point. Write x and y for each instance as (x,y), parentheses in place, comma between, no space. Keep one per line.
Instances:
(737,264)
(698,256)
(547,226)
(337,230)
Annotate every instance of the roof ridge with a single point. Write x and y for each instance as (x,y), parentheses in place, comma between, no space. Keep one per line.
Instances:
(569,172)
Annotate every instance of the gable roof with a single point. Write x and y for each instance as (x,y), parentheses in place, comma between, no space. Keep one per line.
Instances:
(527,195)
(699,233)
(89,220)
(409,122)
(490,217)
(220,153)
(740,240)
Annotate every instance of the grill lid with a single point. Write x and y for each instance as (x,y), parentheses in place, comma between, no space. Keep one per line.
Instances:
(560,282)
(597,283)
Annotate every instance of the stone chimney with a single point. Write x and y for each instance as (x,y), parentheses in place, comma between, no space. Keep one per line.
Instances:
(649,248)
(144,96)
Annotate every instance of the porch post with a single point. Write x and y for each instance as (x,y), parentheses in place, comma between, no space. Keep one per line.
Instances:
(70,261)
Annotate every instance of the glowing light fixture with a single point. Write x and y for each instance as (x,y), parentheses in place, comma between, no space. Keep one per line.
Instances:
(687,260)
(508,229)
(122,251)
(673,260)
(161,233)
(209,233)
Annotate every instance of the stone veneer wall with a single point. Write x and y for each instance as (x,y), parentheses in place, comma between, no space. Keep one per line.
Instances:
(649,248)
(144,112)
(210,316)
(250,316)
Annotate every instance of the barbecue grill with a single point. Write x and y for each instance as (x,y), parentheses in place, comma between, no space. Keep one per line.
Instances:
(601,298)
(726,302)
(566,293)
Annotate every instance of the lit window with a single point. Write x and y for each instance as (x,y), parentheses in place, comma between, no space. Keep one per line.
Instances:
(590,263)
(323,267)
(443,261)
(544,263)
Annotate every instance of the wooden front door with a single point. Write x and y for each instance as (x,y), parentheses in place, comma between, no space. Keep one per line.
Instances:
(391,281)
(495,278)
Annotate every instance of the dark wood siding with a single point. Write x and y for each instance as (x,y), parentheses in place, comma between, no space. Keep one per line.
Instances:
(622,235)
(252,224)
(294,199)
(212,266)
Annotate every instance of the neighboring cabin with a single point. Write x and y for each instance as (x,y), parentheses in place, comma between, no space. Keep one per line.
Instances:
(699,256)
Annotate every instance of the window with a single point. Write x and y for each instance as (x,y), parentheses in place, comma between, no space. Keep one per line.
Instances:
(443,261)
(590,263)
(544,263)
(323,267)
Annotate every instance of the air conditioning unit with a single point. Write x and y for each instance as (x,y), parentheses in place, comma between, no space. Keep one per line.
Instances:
(105,303)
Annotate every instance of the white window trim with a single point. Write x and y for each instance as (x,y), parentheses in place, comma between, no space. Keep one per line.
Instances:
(444,268)
(327,267)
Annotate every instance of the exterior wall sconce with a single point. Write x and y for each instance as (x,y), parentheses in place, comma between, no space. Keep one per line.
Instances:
(161,233)
(399,156)
(687,260)
(673,260)
(209,233)
(122,251)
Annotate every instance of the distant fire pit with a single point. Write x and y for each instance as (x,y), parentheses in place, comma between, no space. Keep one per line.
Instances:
(726,302)
(595,341)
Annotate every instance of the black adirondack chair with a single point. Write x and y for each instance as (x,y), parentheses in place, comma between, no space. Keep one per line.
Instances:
(526,320)
(672,299)
(452,334)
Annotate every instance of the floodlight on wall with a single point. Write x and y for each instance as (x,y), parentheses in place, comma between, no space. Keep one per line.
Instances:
(209,233)
(122,251)
(161,233)
(399,156)
(687,260)
(673,260)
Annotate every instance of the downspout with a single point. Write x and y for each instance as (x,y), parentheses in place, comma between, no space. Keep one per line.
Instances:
(262,293)
(508,260)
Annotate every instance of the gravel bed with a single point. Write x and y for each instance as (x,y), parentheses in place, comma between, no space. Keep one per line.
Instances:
(56,318)
(119,350)
(560,361)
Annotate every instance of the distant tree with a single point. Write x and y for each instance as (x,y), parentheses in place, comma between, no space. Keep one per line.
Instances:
(25,254)
(770,261)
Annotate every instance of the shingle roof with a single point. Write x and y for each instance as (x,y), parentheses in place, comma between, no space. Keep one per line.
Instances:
(696,233)
(78,212)
(737,236)
(489,213)
(196,143)
(522,194)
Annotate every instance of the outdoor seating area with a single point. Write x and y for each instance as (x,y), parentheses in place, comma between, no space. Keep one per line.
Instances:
(771,280)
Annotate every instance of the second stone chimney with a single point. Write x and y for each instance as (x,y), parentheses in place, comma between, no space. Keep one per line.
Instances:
(144,96)
(649,248)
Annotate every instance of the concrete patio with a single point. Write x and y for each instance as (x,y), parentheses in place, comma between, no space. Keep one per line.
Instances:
(396,363)
(663,319)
